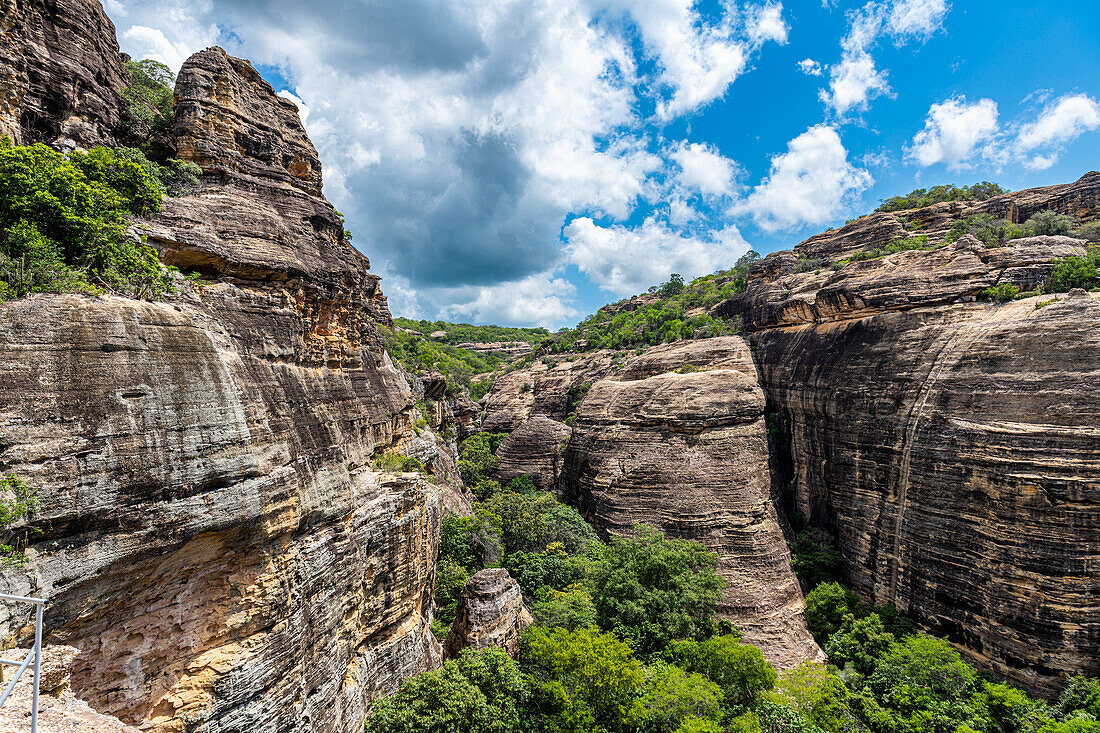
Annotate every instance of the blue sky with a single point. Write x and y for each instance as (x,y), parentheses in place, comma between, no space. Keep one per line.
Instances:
(526,162)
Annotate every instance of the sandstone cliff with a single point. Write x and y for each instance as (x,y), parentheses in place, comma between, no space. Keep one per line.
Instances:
(951,445)
(214,538)
(677,441)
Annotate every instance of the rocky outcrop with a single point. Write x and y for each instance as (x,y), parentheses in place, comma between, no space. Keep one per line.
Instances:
(61,75)
(950,444)
(490,613)
(214,538)
(535,450)
(551,387)
(678,441)
(58,710)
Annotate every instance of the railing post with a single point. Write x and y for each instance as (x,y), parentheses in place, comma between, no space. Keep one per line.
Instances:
(37,666)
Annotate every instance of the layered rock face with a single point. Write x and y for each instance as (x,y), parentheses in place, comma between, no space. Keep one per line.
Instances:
(535,450)
(61,75)
(952,445)
(490,613)
(677,441)
(214,538)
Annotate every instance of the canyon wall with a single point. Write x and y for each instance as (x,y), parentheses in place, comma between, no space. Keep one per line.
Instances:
(214,538)
(952,445)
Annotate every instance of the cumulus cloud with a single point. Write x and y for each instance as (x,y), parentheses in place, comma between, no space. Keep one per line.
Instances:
(303,110)
(810,67)
(954,132)
(702,168)
(625,260)
(916,18)
(855,80)
(1060,122)
(811,183)
(458,136)
(539,299)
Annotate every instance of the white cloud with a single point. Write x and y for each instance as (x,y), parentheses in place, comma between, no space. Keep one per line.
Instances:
(303,109)
(626,260)
(703,169)
(765,23)
(151,43)
(810,67)
(916,18)
(953,132)
(811,183)
(539,299)
(1063,120)
(854,81)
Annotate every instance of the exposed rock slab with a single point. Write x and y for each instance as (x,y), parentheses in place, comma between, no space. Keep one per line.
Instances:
(687,453)
(61,74)
(490,613)
(551,389)
(535,450)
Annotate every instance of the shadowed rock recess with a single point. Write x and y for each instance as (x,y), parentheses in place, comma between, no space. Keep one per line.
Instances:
(214,539)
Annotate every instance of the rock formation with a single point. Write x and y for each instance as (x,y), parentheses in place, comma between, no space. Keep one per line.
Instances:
(550,387)
(61,75)
(58,710)
(490,613)
(677,441)
(214,538)
(535,450)
(951,445)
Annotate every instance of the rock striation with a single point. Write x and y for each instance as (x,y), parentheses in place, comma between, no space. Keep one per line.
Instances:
(490,613)
(61,74)
(678,441)
(950,444)
(214,538)
(534,449)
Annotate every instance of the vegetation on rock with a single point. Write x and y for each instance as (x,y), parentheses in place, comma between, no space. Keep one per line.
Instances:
(922,197)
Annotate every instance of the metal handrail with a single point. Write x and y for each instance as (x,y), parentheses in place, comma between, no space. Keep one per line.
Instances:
(34,654)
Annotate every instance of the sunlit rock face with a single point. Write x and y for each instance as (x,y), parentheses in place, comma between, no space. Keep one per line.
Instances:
(677,441)
(490,613)
(951,444)
(214,539)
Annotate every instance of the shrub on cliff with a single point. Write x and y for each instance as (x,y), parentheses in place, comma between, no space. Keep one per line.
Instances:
(922,197)
(18,501)
(63,223)
(1048,222)
(147,103)
(1076,272)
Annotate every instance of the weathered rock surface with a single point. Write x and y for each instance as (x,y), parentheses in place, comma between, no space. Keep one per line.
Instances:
(550,389)
(534,449)
(687,453)
(952,445)
(58,710)
(490,613)
(214,539)
(61,75)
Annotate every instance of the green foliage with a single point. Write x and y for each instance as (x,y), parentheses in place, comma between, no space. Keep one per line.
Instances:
(672,696)
(553,568)
(859,643)
(471,542)
(461,333)
(482,692)
(63,223)
(819,695)
(922,197)
(1048,222)
(827,605)
(661,316)
(571,608)
(740,670)
(147,111)
(450,579)
(1076,272)
(397,463)
(1001,292)
(584,680)
(419,354)
(698,725)
(1080,694)
(898,244)
(477,460)
(1090,231)
(650,589)
(18,501)
(815,558)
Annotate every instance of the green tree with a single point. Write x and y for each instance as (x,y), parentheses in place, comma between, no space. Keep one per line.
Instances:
(827,605)
(1080,693)
(860,643)
(472,542)
(584,680)
(1076,272)
(148,101)
(672,696)
(571,608)
(18,501)
(740,670)
(820,695)
(450,579)
(650,589)
(1048,222)
(63,223)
